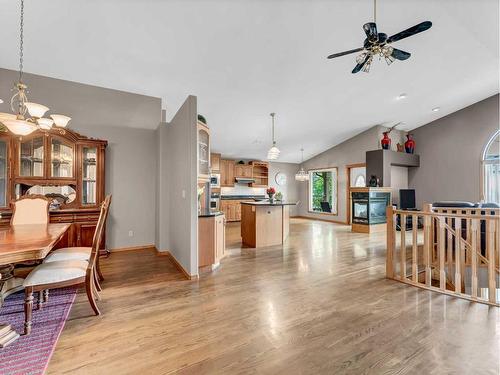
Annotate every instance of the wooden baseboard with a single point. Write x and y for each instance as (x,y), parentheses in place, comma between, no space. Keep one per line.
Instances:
(363,228)
(318,219)
(131,248)
(176,264)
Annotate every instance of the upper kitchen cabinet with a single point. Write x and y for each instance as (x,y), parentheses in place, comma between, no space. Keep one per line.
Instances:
(215,163)
(243,170)
(226,173)
(260,173)
(203,152)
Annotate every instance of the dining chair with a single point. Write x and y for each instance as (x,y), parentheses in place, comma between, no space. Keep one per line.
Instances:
(30,209)
(81,253)
(64,273)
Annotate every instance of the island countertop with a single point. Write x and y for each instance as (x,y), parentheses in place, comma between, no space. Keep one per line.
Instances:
(275,203)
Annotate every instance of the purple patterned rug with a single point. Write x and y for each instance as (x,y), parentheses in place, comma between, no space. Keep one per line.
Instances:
(30,355)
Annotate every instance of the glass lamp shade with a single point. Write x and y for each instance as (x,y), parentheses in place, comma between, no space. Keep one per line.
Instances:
(20,127)
(302,175)
(45,123)
(273,153)
(60,120)
(36,110)
(7,116)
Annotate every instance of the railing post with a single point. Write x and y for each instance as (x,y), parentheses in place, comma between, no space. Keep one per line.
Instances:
(389,260)
(402,266)
(490,254)
(427,243)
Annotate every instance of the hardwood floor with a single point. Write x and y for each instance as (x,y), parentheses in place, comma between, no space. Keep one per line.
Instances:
(318,305)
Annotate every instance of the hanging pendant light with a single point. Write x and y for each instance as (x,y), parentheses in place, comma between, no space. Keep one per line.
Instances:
(274,151)
(302,175)
(28,116)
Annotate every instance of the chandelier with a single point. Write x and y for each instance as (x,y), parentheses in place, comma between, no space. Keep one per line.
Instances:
(274,151)
(27,116)
(302,175)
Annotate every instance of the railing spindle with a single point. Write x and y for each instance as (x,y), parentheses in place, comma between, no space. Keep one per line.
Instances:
(449,248)
(458,256)
(441,253)
(414,265)
(428,241)
(474,249)
(403,247)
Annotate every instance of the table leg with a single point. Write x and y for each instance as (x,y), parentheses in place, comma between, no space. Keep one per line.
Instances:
(8,285)
(8,282)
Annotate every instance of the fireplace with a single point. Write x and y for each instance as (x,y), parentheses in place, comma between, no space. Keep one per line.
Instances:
(368,207)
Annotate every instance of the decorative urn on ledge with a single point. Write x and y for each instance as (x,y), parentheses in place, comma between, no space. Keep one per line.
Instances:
(386,141)
(409,144)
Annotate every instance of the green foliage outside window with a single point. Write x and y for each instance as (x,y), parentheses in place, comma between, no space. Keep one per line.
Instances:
(322,189)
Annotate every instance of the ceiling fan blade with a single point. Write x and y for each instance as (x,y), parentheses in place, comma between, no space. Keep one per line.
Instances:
(361,64)
(411,31)
(400,55)
(344,53)
(371,31)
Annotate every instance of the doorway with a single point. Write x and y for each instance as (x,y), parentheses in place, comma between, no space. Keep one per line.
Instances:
(356,177)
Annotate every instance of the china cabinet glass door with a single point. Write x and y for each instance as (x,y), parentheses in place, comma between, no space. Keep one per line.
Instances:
(3,172)
(31,158)
(62,159)
(89,176)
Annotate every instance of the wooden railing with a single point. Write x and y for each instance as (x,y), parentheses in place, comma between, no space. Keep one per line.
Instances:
(449,250)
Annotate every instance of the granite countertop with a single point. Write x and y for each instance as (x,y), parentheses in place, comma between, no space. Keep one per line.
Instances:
(275,203)
(209,213)
(241,197)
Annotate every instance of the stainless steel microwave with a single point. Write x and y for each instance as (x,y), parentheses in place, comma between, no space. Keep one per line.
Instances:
(215,180)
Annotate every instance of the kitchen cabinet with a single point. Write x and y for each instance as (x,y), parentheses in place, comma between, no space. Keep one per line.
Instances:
(227,173)
(232,208)
(260,173)
(203,152)
(243,170)
(211,240)
(215,163)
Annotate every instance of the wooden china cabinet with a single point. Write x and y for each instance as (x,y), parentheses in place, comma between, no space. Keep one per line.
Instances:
(62,165)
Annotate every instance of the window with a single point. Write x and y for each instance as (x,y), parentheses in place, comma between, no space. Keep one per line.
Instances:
(491,170)
(323,191)
(360,181)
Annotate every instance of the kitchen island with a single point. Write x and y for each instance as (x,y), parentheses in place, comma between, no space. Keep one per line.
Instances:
(264,223)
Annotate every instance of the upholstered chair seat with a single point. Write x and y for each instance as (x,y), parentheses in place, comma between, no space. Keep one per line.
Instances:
(69,253)
(56,272)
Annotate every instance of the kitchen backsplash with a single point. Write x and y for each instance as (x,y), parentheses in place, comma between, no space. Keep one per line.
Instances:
(242,190)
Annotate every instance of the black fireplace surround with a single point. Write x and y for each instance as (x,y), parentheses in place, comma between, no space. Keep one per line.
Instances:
(370,207)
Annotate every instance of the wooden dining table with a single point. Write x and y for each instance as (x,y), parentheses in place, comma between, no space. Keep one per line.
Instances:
(23,243)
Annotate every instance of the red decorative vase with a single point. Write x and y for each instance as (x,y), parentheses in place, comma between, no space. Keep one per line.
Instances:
(409,144)
(386,141)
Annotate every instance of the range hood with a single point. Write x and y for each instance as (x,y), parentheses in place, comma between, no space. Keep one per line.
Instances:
(245,180)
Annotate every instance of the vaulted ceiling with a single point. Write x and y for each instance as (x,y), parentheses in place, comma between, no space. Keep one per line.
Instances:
(245,59)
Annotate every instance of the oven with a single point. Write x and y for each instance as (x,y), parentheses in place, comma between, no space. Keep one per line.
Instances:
(215,180)
(215,201)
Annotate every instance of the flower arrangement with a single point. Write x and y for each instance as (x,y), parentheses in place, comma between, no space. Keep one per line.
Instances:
(270,192)
(279,196)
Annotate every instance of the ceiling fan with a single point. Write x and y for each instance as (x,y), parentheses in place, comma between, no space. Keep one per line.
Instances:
(379,44)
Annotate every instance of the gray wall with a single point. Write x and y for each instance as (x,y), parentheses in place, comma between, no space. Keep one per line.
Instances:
(450,150)
(177,170)
(349,152)
(131,154)
(291,189)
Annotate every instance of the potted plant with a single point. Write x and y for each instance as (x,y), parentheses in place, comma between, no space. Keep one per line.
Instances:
(270,193)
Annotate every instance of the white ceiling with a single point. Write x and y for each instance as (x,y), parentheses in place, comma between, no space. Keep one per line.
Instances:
(245,59)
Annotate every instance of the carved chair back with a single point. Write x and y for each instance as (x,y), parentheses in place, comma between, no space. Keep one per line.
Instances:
(30,209)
